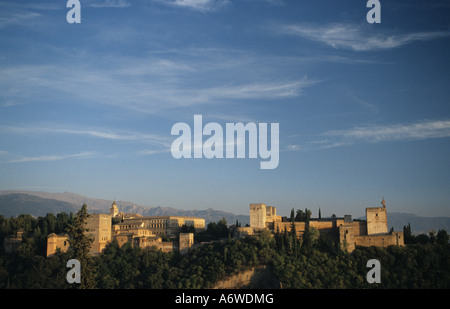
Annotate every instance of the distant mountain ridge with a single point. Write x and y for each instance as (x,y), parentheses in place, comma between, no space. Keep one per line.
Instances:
(419,225)
(37,203)
(16,204)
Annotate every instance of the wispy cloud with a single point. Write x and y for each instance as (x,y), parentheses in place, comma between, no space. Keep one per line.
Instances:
(48,158)
(275,2)
(269,90)
(33,5)
(362,102)
(93,133)
(427,129)
(415,131)
(199,5)
(148,152)
(349,36)
(17,18)
(153,143)
(109,4)
(143,88)
(10,103)
(231,117)
(111,135)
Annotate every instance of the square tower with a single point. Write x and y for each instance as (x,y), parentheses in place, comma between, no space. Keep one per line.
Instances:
(376,220)
(99,227)
(186,242)
(258,215)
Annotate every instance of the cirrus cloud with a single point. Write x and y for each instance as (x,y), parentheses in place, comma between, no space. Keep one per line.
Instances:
(48,158)
(349,36)
(421,130)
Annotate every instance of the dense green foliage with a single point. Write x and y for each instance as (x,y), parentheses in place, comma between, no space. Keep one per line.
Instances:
(314,262)
(415,266)
(80,245)
(35,230)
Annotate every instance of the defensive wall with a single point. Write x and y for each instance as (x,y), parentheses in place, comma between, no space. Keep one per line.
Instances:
(350,233)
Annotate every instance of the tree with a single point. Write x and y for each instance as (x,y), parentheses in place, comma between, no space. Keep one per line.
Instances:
(308,214)
(187,229)
(442,237)
(310,236)
(422,239)
(80,244)
(300,216)
(409,238)
(432,237)
(214,230)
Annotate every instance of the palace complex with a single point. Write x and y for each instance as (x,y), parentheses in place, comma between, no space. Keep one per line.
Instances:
(148,231)
(139,231)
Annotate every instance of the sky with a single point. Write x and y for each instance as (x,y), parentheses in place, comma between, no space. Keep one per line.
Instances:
(363,108)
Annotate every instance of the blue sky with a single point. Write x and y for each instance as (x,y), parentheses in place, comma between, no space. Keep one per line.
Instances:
(363,109)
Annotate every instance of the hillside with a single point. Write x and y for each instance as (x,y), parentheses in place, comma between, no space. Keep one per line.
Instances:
(16,204)
(255,278)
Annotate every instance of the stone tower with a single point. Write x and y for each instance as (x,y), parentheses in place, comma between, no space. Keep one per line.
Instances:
(114,210)
(258,215)
(99,227)
(186,242)
(376,220)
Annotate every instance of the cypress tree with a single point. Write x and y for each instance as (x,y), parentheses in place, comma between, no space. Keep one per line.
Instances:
(80,244)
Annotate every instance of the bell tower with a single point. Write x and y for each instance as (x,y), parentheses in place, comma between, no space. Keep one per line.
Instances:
(114,210)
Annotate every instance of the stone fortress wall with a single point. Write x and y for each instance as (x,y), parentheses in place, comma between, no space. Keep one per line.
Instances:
(350,233)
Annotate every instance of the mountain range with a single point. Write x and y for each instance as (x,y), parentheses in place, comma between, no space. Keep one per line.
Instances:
(37,203)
